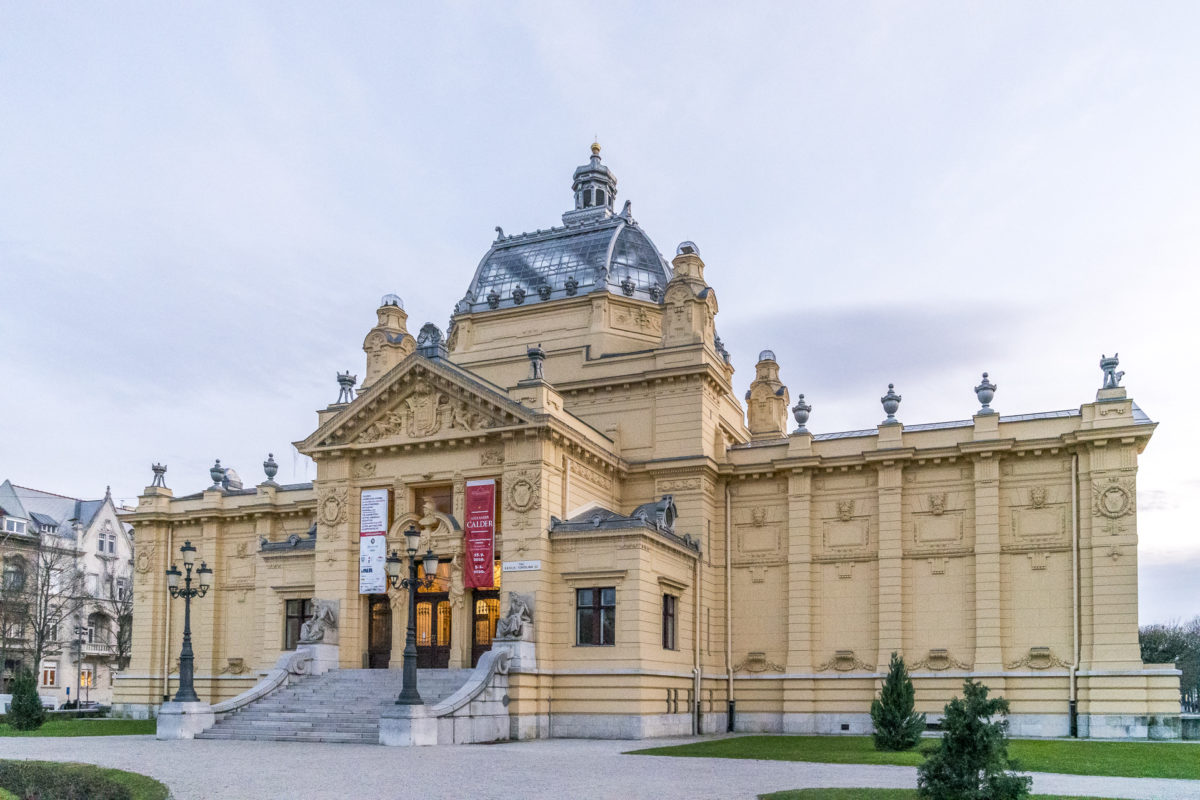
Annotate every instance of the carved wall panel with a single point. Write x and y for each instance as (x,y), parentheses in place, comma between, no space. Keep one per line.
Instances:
(759,533)
(847,529)
(845,611)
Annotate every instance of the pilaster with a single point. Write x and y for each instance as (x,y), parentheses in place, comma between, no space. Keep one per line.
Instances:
(891,563)
(799,606)
(988,639)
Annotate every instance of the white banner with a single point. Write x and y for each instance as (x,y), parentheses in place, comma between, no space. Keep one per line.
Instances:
(372,541)
(372,554)
(373,511)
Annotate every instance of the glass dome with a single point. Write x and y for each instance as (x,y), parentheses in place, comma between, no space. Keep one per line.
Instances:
(613,254)
(766,355)
(392,300)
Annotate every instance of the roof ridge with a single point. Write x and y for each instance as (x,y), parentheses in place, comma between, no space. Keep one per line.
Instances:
(52,494)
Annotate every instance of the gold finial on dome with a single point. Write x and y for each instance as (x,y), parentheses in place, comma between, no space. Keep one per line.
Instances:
(595,147)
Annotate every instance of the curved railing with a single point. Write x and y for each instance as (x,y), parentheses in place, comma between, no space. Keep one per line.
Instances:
(289,664)
(491,664)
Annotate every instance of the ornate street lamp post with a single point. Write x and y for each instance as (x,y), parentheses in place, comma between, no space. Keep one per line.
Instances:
(412,536)
(187,693)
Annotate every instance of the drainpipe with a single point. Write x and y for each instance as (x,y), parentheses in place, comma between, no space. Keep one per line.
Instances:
(166,648)
(1072,702)
(728,606)
(696,648)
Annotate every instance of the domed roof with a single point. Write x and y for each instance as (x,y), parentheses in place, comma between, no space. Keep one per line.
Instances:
(595,250)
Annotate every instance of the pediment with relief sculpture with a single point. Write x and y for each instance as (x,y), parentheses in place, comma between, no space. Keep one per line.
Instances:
(420,399)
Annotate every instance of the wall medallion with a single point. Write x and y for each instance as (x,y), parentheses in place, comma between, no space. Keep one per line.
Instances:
(524,491)
(142,562)
(333,506)
(1112,498)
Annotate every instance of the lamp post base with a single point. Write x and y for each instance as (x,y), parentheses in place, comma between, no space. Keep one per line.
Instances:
(183,720)
(408,726)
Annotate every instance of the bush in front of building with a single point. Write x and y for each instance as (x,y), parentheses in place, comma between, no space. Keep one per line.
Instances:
(971,762)
(25,712)
(898,726)
(50,781)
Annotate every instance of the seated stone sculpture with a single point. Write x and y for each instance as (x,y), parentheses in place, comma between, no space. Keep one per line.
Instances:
(322,626)
(518,622)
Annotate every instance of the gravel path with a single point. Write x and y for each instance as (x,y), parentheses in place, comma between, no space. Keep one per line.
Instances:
(557,769)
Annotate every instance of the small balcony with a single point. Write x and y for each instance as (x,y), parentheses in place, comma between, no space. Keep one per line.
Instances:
(99,649)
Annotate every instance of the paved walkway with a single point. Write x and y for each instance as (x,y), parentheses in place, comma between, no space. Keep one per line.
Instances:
(557,769)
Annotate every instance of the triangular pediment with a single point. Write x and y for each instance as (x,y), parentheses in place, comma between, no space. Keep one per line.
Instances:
(420,399)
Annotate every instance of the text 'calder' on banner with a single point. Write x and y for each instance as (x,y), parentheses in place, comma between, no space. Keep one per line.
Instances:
(479,540)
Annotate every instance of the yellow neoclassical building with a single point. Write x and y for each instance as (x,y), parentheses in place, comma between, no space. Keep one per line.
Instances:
(667,558)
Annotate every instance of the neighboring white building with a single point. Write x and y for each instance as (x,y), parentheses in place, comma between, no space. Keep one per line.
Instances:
(85,552)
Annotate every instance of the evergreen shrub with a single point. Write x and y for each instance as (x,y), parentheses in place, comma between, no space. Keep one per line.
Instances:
(971,762)
(25,712)
(897,725)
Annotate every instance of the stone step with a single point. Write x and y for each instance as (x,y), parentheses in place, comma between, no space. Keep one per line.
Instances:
(346,738)
(339,706)
(257,727)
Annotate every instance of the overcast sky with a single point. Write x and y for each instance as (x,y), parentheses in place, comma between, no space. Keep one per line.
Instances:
(202,204)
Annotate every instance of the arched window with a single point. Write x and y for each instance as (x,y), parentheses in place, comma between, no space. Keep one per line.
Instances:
(599,197)
(587,198)
(14,574)
(98,629)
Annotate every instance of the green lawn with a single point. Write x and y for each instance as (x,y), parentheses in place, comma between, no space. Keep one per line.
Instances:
(86,727)
(879,794)
(1123,759)
(142,787)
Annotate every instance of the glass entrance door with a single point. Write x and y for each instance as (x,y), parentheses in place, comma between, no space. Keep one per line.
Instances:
(487,612)
(379,632)
(433,631)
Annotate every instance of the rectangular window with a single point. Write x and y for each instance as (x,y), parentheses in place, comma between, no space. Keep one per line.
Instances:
(50,673)
(596,616)
(122,589)
(670,603)
(85,678)
(297,612)
(441,496)
(14,526)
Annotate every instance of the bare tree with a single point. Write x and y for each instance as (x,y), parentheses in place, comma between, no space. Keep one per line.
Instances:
(13,601)
(53,594)
(116,601)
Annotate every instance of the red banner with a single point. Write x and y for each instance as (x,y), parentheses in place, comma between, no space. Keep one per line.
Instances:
(479,539)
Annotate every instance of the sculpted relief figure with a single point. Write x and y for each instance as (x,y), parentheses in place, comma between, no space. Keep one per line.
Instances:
(518,622)
(322,627)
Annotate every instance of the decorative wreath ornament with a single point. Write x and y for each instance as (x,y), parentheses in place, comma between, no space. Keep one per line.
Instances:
(332,508)
(524,492)
(1113,500)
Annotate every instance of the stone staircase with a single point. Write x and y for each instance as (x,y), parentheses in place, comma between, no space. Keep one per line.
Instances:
(342,705)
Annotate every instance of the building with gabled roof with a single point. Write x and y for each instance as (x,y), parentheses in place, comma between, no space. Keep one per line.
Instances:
(85,549)
(675,558)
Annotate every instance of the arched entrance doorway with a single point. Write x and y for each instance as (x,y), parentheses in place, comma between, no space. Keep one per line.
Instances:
(434,619)
(379,631)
